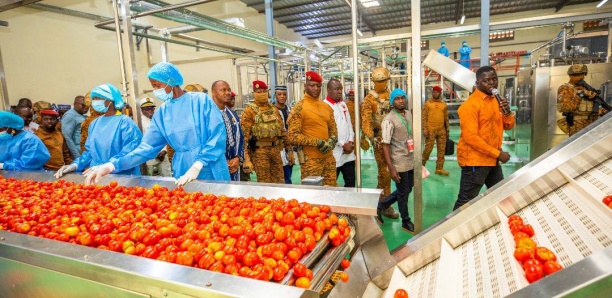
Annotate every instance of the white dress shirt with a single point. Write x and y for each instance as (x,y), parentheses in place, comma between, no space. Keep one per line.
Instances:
(345,131)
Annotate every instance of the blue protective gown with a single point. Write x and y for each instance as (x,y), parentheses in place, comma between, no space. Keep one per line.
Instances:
(444,51)
(464,53)
(191,124)
(25,151)
(109,139)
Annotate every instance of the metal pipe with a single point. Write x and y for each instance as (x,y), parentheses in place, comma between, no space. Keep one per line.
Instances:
(4,94)
(564,38)
(485,7)
(164,46)
(130,66)
(158,10)
(416,112)
(183,29)
(271,49)
(115,7)
(358,94)
(609,41)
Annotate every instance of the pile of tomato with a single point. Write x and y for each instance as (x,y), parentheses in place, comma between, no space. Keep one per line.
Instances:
(256,238)
(607,200)
(536,261)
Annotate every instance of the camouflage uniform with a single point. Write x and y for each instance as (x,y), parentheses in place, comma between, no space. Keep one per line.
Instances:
(311,120)
(375,107)
(435,125)
(265,152)
(569,101)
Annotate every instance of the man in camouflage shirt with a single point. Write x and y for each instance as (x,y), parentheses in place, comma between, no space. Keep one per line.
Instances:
(576,101)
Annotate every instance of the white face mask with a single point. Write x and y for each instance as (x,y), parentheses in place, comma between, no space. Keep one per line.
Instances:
(161,94)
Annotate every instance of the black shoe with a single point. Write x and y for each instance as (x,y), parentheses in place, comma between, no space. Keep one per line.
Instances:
(408,227)
(379,217)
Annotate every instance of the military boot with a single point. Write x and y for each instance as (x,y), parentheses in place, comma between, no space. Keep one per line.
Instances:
(441,172)
(390,213)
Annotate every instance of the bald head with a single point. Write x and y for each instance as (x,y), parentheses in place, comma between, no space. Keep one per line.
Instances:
(221,93)
(25,113)
(334,89)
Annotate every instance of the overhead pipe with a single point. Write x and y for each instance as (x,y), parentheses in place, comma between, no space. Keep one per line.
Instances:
(183,29)
(115,8)
(157,10)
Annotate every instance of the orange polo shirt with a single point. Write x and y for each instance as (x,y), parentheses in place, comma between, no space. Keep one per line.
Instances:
(482,128)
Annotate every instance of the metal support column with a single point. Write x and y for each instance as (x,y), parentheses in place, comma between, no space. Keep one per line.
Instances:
(609,40)
(129,60)
(6,105)
(416,112)
(484,32)
(358,93)
(271,49)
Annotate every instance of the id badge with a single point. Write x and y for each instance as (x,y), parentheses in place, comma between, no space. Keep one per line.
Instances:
(410,145)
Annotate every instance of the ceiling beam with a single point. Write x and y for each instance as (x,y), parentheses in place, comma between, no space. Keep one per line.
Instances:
(326,30)
(295,15)
(560,5)
(458,10)
(299,4)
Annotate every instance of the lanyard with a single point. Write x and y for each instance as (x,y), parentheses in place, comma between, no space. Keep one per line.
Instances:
(404,122)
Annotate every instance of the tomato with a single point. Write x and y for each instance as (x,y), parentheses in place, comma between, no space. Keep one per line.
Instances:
(113,184)
(515,227)
(526,242)
(607,200)
(345,263)
(302,282)
(251,259)
(184,258)
(342,222)
(531,262)
(551,267)
(299,269)
(523,254)
(544,254)
(515,217)
(400,293)
(344,277)
(520,235)
(278,274)
(534,273)
(527,229)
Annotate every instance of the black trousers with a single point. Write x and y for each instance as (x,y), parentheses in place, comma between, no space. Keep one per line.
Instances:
(472,180)
(400,195)
(348,173)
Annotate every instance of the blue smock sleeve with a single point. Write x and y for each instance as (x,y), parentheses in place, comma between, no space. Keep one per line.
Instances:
(152,142)
(214,147)
(34,154)
(68,127)
(130,133)
(84,160)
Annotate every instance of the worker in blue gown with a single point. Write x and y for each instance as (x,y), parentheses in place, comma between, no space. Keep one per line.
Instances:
(464,55)
(19,149)
(111,136)
(443,49)
(189,122)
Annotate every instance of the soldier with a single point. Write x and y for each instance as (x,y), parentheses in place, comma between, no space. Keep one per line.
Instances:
(53,140)
(37,107)
(350,104)
(576,102)
(435,128)
(312,125)
(265,133)
(375,107)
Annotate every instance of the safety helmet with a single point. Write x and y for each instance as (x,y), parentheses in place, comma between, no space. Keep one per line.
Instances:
(577,69)
(195,88)
(380,74)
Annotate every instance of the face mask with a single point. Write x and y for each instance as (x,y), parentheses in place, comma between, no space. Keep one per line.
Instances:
(99,106)
(161,94)
(260,98)
(4,136)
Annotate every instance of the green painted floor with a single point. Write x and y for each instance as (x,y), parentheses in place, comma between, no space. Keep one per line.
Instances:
(439,192)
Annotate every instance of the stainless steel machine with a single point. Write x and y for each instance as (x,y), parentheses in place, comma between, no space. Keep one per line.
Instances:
(467,254)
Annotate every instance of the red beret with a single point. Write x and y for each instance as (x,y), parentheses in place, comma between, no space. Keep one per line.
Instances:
(351,92)
(259,85)
(313,76)
(437,88)
(49,112)
(233,94)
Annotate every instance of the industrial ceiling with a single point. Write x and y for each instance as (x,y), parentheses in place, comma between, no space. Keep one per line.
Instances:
(327,18)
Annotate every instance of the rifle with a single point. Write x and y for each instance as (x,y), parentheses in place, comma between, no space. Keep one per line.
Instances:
(597,100)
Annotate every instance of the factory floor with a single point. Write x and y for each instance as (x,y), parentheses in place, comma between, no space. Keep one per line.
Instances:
(439,192)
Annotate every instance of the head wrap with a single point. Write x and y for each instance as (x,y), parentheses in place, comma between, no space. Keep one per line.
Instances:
(280,88)
(437,88)
(10,120)
(147,102)
(166,73)
(49,112)
(110,93)
(395,93)
(313,76)
(259,85)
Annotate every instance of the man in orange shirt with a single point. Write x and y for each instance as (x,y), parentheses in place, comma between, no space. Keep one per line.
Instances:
(53,140)
(479,150)
(312,125)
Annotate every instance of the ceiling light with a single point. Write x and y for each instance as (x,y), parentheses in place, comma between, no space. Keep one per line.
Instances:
(359,32)
(462,19)
(369,3)
(601,3)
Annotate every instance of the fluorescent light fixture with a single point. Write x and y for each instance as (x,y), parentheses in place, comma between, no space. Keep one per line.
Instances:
(369,3)
(235,21)
(318,43)
(462,19)
(601,3)
(359,32)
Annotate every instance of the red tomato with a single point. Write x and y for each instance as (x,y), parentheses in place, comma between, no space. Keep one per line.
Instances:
(345,263)
(299,269)
(400,293)
(531,262)
(344,277)
(534,273)
(302,282)
(607,200)
(113,184)
(528,229)
(278,274)
(251,259)
(520,235)
(551,267)
(515,217)
(523,254)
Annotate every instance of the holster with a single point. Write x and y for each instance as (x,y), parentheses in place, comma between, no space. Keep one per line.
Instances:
(300,154)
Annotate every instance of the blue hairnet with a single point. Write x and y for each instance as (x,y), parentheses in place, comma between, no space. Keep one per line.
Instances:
(443,43)
(166,73)
(395,93)
(10,120)
(110,93)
